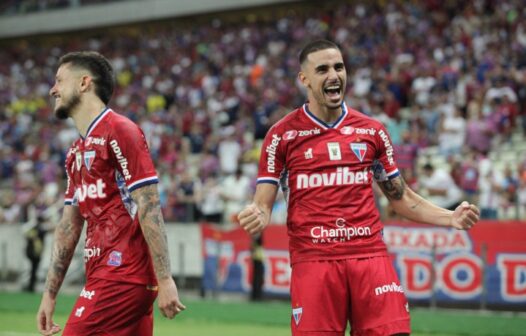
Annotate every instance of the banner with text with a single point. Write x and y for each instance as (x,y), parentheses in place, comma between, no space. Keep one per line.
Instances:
(487,263)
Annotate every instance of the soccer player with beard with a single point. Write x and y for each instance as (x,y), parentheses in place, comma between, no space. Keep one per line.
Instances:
(325,156)
(112,184)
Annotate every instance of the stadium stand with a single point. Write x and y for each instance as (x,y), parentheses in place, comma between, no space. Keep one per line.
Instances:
(447,78)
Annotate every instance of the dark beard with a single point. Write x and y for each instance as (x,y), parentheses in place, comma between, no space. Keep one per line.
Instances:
(64,111)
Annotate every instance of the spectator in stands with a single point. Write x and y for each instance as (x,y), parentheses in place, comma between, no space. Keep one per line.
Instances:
(221,73)
(509,187)
(489,194)
(211,206)
(452,133)
(189,195)
(479,131)
(235,192)
(229,151)
(440,187)
(469,177)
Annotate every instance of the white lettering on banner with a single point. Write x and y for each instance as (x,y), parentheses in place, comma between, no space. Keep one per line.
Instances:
(90,253)
(93,191)
(271,151)
(422,239)
(388,147)
(121,159)
(342,176)
(87,294)
(393,287)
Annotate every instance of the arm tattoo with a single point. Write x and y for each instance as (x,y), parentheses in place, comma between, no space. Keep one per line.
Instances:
(67,235)
(394,188)
(152,224)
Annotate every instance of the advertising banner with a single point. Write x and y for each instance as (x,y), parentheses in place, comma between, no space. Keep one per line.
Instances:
(486,264)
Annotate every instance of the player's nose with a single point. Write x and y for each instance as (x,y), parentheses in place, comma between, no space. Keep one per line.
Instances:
(53,90)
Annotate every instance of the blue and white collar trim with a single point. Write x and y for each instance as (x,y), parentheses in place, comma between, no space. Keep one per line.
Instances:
(322,123)
(96,121)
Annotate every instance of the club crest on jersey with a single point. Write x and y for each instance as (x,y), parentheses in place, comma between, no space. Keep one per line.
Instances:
(78,159)
(359,149)
(89,157)
(115,258)
(334,151)
(296,313)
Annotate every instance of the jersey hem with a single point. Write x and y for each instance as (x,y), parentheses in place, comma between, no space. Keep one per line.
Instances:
(341,257)
(126,279)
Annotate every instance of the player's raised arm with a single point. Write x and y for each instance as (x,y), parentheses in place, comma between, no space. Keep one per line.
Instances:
(256,216)
(152,225)
(412,206)
(67,234)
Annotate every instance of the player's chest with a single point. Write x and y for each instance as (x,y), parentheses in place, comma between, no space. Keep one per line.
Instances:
(331,148)
(90,160)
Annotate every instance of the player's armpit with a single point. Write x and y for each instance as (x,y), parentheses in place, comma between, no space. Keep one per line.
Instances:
(393,188)
(67,234)
(152,225)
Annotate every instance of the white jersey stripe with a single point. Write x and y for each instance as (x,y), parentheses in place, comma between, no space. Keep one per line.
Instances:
(147,179)
(267,179)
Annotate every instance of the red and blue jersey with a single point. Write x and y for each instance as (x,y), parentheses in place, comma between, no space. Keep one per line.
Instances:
(326,172)
(103,168)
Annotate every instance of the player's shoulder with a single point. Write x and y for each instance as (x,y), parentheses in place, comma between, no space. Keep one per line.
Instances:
(120,125)
(115,119)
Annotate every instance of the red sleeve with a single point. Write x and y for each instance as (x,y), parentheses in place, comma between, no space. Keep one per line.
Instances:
(384,167)
(272,159)
(131,154)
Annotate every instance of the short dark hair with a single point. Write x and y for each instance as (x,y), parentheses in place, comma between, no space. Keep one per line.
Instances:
(98,66)
(316,46)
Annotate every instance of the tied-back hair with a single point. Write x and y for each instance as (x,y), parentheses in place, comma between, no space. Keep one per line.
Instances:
(99,68)
(316,46)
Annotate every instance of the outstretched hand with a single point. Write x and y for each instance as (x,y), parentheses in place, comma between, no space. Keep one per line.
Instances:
(465,216)
(252,219)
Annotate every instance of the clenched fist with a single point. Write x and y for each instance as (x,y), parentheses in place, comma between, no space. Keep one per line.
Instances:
(465,216)
(252,219)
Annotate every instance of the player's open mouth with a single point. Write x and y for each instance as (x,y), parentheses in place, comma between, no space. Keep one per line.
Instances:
(333,91)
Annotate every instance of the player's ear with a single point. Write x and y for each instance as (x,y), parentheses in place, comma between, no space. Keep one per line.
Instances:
(303,79)
(85,83)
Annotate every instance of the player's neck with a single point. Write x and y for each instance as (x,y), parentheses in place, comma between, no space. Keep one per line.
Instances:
(85,114)
(324,113)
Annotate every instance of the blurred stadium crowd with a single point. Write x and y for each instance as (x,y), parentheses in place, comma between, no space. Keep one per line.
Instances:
(447,78)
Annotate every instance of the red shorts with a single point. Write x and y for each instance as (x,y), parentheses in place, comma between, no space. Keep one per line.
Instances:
(366,292)
(112,308)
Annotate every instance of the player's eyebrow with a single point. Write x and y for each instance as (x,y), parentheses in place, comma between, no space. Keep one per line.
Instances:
(321,67)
